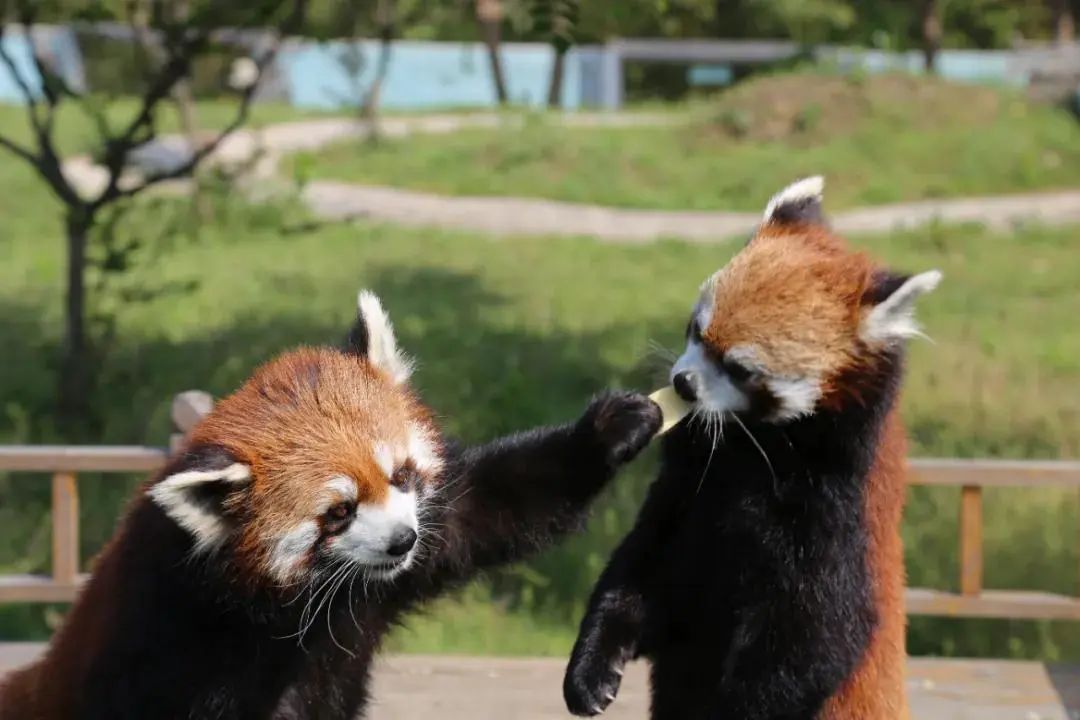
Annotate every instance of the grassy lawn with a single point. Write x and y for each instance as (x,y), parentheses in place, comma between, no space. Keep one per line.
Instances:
(514,333)
(878,139)
(76,132)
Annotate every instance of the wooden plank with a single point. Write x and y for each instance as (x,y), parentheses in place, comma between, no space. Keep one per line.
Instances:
(994,473)
(37,589)
(1016,604)
(971,544)
(77,458)
(448,687)
(65,528)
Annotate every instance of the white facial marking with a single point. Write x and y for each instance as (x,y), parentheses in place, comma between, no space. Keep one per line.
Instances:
(175,495)
(340,489)
(291,549)
(384,458)
(715,391)
(807,188)
(422,450)
(374,529)
(894,317)
(382,348)
(797,396)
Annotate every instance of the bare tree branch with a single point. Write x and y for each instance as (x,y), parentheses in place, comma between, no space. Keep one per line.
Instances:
(114,191)
(29,96)
(18,149)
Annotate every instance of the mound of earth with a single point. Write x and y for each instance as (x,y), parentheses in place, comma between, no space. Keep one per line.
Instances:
(816,107)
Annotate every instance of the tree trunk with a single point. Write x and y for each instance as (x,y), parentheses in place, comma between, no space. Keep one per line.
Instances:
(554,99)
(489,15)
(74,385)
(931,33)
(385,16)
(1064,22)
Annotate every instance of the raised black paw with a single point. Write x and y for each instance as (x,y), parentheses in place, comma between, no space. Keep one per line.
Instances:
(622,423)
(591,683)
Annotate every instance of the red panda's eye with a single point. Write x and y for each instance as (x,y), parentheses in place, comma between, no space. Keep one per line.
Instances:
(693,330)
(339,511)
(738,372)
(403,477)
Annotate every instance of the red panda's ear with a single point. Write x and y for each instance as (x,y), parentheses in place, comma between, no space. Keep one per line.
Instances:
(799,202)
(372,336)
(194,491)
(890,305)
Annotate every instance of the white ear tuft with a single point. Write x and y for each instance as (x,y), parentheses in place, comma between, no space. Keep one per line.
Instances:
(189,499)
(382,350)
(800,198)
(894,317)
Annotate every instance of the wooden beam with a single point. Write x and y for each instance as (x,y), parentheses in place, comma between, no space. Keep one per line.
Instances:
(37,589)
(994,473)
(65,528)
(971,544)
(76,458)
(1016,604)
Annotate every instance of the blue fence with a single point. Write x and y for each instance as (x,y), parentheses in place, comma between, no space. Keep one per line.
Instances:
(424,75)
(56,45)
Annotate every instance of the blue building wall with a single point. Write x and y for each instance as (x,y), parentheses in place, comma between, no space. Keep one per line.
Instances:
(423,74)
(57,45)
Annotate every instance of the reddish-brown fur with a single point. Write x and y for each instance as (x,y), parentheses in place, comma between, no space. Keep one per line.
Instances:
(345,407)
(793,266)
(876,690)
(808,267)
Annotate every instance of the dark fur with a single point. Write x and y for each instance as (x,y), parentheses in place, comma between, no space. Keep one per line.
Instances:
(156,635)
(747,587)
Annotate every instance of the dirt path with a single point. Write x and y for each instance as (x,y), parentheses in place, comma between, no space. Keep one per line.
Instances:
(509,216)
(524,216)
(415,687)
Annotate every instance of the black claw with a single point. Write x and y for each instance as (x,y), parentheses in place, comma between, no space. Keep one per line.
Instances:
(623,423)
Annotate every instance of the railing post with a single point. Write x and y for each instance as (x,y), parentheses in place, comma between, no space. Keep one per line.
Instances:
(65,530)
(188,408)
(971,548)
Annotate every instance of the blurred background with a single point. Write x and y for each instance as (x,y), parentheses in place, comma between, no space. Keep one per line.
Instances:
(188,187)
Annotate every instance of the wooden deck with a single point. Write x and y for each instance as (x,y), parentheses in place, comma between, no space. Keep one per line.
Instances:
(413,687)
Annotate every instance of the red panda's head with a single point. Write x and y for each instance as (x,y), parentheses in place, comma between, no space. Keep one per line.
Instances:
(322,459)
(796,321)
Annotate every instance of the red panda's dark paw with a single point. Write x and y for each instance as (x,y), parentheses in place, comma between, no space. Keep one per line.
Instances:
(622,423)
(591,684)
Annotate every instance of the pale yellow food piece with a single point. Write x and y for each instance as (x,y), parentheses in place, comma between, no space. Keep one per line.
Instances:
(673,407)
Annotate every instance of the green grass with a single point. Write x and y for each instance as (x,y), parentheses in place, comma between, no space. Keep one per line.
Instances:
(518,332)
(76,133)
(878,140)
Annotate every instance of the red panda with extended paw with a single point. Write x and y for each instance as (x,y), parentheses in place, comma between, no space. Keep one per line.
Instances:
(764,576)
(256,575)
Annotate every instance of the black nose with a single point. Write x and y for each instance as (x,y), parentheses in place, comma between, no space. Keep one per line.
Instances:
(402,542)
(684,386)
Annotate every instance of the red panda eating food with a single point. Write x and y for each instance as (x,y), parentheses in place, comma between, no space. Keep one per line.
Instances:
(763,579)
(256,574)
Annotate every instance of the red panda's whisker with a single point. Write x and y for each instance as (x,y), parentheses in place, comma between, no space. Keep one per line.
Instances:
(776,480)
(329,625)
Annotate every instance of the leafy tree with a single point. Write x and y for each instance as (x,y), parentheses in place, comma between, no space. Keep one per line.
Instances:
(179,38)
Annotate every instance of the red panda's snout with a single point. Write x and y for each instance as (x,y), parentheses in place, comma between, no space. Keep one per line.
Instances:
(795,321)
(323,460)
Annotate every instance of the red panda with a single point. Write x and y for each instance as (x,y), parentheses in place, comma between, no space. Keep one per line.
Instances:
(309,511)
(764,576)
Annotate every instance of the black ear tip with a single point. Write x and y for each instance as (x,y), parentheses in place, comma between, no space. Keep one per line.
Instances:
(799,202)
(356,342)
(883,283)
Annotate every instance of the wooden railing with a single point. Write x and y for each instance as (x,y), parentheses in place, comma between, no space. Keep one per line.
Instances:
(972,600)
(64,463)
